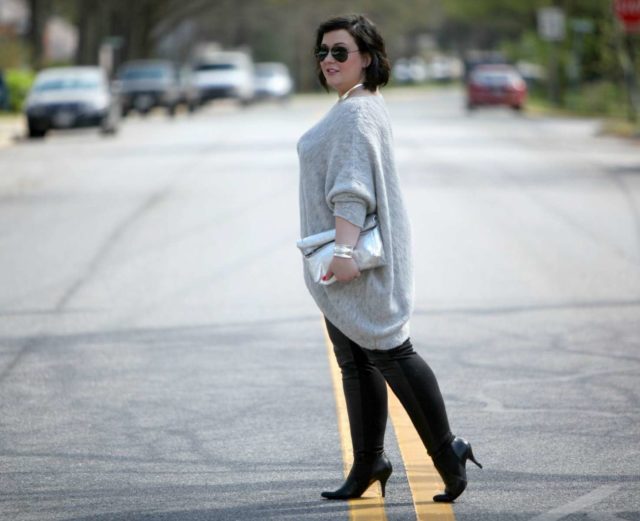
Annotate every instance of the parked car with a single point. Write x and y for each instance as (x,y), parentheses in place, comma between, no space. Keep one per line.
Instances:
(4,93)
(496,85)
(442,68)
(410,70)
(189,93)
(225,74)
(147,84)
(71,97)
(272,81)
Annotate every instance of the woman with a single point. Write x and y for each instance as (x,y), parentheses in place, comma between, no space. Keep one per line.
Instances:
(347,172)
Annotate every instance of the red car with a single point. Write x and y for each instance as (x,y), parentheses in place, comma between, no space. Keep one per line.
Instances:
(496,85)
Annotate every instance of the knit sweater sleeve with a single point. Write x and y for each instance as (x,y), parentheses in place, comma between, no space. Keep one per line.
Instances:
(350,188)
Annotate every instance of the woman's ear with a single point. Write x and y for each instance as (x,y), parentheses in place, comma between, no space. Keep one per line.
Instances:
(367,60)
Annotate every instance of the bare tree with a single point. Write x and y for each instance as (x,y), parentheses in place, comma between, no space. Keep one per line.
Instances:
(39,11)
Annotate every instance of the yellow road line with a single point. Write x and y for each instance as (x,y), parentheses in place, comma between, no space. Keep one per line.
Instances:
(423,478)
(371,506)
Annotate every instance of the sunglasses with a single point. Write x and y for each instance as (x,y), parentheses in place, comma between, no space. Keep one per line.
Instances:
(339,53)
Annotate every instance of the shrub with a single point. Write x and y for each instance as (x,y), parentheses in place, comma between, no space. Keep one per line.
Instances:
(597,98)
(19,82)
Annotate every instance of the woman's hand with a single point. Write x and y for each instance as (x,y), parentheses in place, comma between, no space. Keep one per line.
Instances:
(345,270)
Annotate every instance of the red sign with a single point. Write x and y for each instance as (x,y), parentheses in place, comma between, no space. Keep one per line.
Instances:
(628,11)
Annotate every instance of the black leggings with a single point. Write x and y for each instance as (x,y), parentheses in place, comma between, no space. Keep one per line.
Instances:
(364,372)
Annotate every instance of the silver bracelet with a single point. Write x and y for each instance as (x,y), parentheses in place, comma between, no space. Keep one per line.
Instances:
(343,251)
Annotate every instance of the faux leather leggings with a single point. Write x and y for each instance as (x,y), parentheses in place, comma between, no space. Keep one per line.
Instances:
(364,373)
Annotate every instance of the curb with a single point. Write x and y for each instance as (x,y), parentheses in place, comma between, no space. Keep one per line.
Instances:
(12,129)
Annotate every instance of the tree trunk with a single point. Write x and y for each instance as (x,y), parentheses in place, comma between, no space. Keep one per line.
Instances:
(38,13)
(88,32)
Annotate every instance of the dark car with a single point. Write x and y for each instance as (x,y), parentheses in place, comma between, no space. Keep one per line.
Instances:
(71,97)
(4,93)
(496,84)
(146,84)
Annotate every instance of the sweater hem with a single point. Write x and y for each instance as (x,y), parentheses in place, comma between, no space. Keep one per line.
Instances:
(382,343)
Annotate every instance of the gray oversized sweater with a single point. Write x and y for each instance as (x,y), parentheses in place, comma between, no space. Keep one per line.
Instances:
(347,169)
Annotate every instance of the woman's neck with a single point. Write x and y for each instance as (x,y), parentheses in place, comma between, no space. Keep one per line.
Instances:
(350,91)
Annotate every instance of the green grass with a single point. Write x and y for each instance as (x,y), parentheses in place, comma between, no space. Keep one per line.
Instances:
(601,100)
(622,128)
(7,117)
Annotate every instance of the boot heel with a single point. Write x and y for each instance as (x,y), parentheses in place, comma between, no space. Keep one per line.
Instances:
(450,463)
(364,473)
(383,482)
(472,457)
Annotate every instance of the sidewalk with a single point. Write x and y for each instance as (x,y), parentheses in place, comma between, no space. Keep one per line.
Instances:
(12,128)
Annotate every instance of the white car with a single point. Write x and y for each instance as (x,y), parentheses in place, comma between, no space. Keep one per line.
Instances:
(71,97)
(225,74)
(410,70)
(272,80)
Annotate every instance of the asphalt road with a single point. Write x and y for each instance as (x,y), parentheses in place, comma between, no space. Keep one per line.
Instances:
(160,358)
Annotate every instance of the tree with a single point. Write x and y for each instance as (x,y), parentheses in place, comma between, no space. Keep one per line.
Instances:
(39,11)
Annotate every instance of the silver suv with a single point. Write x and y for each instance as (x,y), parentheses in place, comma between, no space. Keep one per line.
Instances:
(146,84)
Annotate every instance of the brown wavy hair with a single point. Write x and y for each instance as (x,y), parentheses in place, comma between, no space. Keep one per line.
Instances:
(369,41)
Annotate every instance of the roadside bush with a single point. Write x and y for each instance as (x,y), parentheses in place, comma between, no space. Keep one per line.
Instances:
(597,98)
(19,82)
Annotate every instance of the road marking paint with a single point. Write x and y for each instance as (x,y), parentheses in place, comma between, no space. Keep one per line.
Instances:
(593,497)
(371,506)
(423,478)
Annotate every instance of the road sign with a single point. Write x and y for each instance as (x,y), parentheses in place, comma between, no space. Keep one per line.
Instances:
(628,12)
(551,24)
(581,25)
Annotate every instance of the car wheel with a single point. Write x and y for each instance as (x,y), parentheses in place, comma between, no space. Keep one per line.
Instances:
(171,111)
(517,108)
(109,129)
(36,132)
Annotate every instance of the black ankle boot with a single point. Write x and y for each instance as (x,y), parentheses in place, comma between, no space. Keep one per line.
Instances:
(450,462)
(366,470)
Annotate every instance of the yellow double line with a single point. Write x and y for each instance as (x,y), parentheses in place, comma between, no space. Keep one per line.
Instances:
(423,478)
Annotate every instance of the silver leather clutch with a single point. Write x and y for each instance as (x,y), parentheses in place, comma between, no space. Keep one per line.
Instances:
(317,250)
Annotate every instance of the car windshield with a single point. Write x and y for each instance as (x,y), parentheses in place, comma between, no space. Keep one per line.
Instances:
(494,77)
(67,83)
(215,67)
(144,73)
